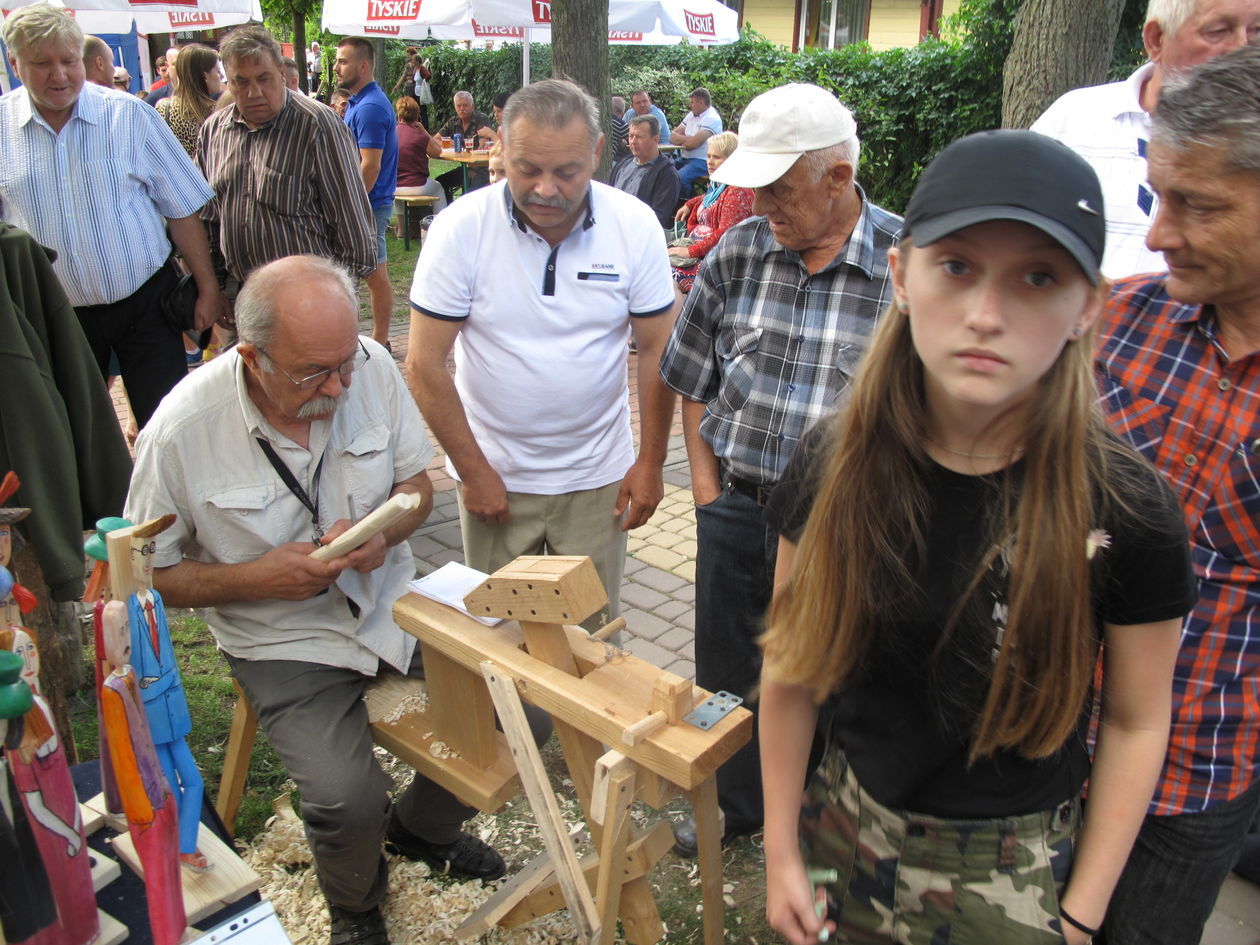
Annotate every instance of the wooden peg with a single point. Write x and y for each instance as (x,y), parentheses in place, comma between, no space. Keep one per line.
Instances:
(615,625)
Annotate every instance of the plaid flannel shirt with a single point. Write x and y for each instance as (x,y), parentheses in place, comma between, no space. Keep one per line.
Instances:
(770,347)
(1170,389)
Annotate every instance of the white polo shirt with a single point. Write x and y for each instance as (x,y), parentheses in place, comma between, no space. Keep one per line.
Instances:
(1105,124)
(707,120)
(540,361)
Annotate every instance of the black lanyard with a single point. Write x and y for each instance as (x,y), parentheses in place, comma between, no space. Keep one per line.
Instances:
(295,487)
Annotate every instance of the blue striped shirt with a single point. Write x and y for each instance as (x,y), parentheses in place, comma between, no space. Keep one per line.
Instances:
(99,192)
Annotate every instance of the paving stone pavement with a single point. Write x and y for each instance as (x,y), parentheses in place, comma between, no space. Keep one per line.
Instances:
(658,596)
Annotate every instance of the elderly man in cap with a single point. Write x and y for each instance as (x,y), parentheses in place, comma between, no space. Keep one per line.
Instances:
(1109,125)
(770,336)
(1178,365)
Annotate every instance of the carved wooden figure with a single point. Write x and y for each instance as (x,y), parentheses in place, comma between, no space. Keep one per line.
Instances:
(42,779)
(97,593)
(161,687)
(27,906)
(147,801)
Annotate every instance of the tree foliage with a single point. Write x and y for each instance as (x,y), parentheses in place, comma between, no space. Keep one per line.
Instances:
(909,102)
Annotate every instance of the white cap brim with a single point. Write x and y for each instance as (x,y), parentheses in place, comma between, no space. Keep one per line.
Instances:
(747,168)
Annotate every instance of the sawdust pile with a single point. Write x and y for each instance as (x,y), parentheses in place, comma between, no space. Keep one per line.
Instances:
(420,908)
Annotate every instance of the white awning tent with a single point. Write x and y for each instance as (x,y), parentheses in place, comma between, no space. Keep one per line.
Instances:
(98,17)
(647,22)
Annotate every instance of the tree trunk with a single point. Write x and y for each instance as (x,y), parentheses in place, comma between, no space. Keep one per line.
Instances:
(579,51)
(1059,45)
(379,64)
(299,48)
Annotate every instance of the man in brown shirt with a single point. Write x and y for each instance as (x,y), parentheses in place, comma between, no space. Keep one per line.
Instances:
(284,168)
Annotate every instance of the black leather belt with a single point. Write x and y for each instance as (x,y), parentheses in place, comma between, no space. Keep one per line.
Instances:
(759,494)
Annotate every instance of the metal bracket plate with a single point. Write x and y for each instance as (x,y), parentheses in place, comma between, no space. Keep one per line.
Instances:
(713,710)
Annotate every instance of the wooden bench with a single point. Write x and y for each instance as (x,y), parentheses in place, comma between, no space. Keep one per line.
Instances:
(424,202)
(401,726)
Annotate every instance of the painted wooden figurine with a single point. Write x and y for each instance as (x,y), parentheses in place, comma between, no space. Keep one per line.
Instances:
(97,594)
(147,801)
(162,689)
(27,906)
(41,776)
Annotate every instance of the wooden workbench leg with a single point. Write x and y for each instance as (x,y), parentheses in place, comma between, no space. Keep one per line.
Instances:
(704,804)
(236,760)
(615,780)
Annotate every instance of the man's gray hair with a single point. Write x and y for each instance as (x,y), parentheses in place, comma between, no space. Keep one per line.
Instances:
(650,121)
(258,304)
(618,106)
(1170,14)
(552,104)
(30,26)
(251,42)
(464,95)
(1216,104)
(821,160)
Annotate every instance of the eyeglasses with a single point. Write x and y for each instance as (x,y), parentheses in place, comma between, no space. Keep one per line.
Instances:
(345,369)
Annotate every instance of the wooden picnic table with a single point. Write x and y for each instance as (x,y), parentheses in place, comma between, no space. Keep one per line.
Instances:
(466,159)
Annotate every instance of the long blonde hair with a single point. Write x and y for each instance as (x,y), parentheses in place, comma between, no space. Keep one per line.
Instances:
(866,532)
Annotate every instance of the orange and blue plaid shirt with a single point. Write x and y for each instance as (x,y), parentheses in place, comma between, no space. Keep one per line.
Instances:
(1168,386)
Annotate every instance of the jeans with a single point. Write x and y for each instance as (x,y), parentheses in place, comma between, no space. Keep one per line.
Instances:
(1169,886)
(734,579)
(689,171)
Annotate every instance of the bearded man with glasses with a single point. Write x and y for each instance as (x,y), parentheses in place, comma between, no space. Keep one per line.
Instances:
(266,452)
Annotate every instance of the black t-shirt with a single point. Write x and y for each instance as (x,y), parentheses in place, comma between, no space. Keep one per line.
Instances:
(905,723)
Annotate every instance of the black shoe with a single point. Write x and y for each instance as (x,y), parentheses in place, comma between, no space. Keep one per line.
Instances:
(357,928)
(467,857)
(685,844)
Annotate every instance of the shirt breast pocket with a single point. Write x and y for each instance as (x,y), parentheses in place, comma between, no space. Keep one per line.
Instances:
(244,522)
(369,468)
(280,192)
(736,350)
(108,184)
(1141,421)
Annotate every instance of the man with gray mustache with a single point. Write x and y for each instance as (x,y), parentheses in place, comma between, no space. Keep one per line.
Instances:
(537,283)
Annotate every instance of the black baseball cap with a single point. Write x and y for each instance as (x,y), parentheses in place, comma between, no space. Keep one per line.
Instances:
(1012,175)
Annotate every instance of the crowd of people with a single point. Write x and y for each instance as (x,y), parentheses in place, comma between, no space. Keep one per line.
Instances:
(975,487)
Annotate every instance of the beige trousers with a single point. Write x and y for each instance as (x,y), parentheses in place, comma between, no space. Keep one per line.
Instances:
(575,523)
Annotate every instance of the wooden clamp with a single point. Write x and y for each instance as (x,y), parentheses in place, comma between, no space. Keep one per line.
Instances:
(541,589)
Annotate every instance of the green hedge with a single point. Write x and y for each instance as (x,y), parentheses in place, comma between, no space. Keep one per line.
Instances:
(909,103)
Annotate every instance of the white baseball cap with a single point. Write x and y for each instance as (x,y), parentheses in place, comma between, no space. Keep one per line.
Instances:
(778,127)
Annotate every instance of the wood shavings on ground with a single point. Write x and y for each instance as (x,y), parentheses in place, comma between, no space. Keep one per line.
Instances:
(421,906)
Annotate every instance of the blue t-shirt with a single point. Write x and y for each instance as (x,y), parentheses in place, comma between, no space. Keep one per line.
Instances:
(372,122)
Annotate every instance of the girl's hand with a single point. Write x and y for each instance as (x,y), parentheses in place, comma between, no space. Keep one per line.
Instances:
(1074,936)
(791,903)
(683,212)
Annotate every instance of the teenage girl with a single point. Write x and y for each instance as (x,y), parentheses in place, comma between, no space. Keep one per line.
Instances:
(954,548)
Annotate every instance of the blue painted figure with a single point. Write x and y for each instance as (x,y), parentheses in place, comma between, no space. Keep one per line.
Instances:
(162,691)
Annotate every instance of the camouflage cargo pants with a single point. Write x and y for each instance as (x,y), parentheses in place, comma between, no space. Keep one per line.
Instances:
(915,880)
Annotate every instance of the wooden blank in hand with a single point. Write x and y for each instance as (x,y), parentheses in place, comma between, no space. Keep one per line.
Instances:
(369,526)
